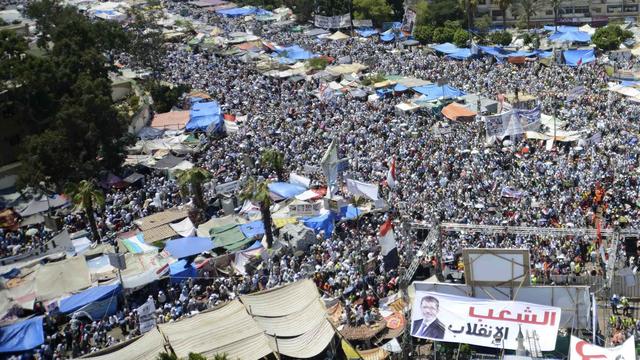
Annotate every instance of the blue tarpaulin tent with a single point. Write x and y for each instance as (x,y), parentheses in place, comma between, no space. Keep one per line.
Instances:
(236,12)
(98,302)
(387,37)
(578,57)
(349,212)
(544,54)
(433,91)
(446,48)
(286,190)
(204,115)
(400,88)
(253,229)
(321,223)
(366,32)
(461,54)
(561,28)
(522,53)
(180,271)
(188,246)
(295,52)
(391,25)
(383,92)
(495,51)
(571,36)
(22,336)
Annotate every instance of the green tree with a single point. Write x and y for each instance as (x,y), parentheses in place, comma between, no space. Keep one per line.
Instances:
(190,182)
(376,10)
(258,192)
(166,356)
(194,356)
(460,37)
(443,34)
(398,8)
(469,9)
(437,12)
(302,9)
(165,97)
(319,63)
(610,37)
(146,40)
(501,38)
(503,5)
(424,33)
(87,197)
(555,5)
(526,9)
(273,159)
(483,23)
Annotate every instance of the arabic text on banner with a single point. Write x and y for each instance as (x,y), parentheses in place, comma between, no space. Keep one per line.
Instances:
(489,323)
(146,315)
(583,350)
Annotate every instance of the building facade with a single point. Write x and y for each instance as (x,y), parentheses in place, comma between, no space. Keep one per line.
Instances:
(595,12)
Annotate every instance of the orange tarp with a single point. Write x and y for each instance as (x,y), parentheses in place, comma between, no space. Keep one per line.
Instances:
(174,120)
(455,111)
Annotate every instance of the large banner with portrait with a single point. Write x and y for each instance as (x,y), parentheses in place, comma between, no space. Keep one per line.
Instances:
(583,350)
(490,323)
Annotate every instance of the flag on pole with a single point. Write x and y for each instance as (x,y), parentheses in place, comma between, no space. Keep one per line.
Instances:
(387,241)
(329,164)
(579,62)
(391,174)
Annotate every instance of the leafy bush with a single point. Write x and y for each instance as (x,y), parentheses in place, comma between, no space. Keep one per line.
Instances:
(610,37)
(318,63)
(424,33)
(460,37)
(501,38)
(443,34)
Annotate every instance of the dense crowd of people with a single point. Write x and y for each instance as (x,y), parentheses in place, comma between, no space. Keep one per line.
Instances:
(452,175)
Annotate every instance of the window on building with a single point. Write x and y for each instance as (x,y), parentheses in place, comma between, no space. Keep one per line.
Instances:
(567,10)
(581,10)
(630,8)
(614,8)
(496,13)
(549,12)
(596,10)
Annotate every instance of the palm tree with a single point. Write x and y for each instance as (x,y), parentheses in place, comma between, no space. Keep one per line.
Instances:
(469,8)
(194,356)
(273,160)
(504,5)
(258,191)
(555,4)
(527,9)
(87,197)
(190,181)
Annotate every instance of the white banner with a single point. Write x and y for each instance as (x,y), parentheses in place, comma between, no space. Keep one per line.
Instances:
(332,22)
(490,323)
(146,316)
(583,350)
(359,188)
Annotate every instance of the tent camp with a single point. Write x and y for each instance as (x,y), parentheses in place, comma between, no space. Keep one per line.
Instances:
(338,35)
(188,246)
(283,190)
(98,302)
(446,48)
(205,116)
(455,111)
(571,36)
(578,57)
(181,270)
(433,92)
(60,278)
(174,120)
(297,236)
(229,237)
(323,223)
(43,203)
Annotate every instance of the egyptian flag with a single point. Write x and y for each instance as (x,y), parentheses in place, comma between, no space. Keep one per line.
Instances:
(387,241)
(391,174)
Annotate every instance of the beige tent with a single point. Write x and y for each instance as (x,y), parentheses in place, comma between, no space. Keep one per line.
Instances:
(338,35)
(65,277)
(345,69)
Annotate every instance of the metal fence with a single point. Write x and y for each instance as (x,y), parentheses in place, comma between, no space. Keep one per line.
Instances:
(628,288)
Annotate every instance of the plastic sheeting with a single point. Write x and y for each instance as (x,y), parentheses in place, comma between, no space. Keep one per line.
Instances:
(433,91)
(136,245)
(571,36)
(253,229)
(180,271)
(237,12)
(446,48)
(204,115)
(350,212)
(365,33)
(578,57)
(22,336)
(461,54)
(321,223)
(89,296)
(286,190)
(188,246)
(294,52)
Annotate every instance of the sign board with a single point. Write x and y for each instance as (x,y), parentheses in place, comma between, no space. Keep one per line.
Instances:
(305,209)
(496,267)
(332,22)
(408,21)
(490,323)
(227,187)
(146,314)
(583,350)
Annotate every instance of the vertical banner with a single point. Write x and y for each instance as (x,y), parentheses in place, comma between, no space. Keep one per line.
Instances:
(490,323)
(408,21)
(146,316)
(583,350)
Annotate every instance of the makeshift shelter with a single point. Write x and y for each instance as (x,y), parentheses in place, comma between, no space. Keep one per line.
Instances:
(283,190)
(237,12)
(366,32)
(578,57)
(136,245)
(184,228)
(22,336)
(455,111)
(174,120)
(160,218)
(338,35)
(323,223)
(433,92)
(350,212)
(205,116)
(297,236)
(43,203)
(561,28)
(204,229)
(446,48)
(461,54)
(229,237)
(571,36)
(188,246)
(60,278)
(253,229)
(181,270)
(99,302)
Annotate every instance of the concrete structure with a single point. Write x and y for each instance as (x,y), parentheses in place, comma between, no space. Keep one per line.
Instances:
(596,12)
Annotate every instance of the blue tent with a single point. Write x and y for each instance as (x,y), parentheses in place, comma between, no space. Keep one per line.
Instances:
(237,12)
(204,115)
(522,53)
(180,271)
(461,54)
(322,222)
(433,91)
(98,302)
(255,245)
(383,92)
(400,88)
(253,229)
(387,37)
(544,54)
(349,212)
(571,36)
(22,336)
(286,190)
(295,52)
(561,28)
(188,246)
(446,48)
(391,25)
(577,57)
(366,32)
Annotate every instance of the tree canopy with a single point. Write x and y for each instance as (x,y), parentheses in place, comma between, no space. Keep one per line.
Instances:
(378,11)
(610,37)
